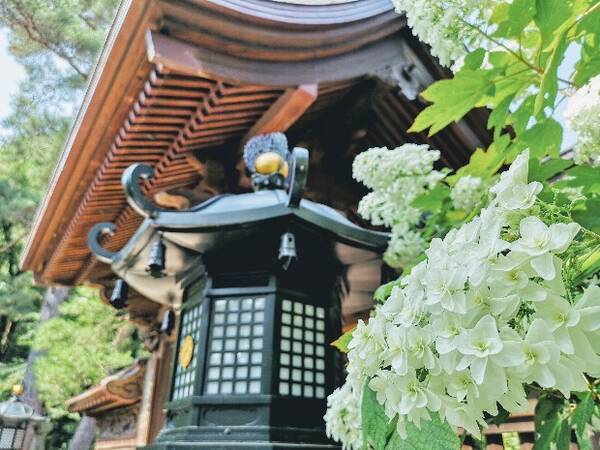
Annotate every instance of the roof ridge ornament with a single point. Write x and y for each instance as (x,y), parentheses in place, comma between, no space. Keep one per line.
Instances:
(273,166)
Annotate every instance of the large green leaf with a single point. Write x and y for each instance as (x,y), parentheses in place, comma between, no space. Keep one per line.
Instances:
(583,176)
(452,99)
(377,428)
(550,14)
(483,163)
(542,139)
(587,216)
(549,84)
(547,421)
(517,16)
(432,435)
(547,170)
(583,413)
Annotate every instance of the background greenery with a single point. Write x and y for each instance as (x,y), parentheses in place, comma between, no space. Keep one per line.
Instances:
(56,41)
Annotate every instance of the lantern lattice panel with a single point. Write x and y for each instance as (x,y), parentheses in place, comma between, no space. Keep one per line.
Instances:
(11,437)
(302,356)
(235,355)
(185,377)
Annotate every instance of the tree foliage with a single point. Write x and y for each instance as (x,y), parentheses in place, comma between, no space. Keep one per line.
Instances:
(56,41)
(84,344)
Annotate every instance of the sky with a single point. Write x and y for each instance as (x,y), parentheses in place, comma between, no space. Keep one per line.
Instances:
(10,74)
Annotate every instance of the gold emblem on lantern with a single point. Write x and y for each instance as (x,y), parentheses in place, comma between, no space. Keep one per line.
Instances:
(186,352)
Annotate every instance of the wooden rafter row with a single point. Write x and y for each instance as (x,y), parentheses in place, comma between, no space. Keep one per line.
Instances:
(173,115)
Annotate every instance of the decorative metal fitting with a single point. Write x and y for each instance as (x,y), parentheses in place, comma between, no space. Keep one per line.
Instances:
(298,176)
(95,234)
(131,184)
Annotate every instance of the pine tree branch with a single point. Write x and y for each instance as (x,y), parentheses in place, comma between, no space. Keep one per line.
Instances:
(19,18)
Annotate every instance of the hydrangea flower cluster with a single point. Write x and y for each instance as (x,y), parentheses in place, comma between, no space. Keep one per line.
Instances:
(581,115)
(469,193)
(396,177)
(448,26)
(484,314)
(343,418)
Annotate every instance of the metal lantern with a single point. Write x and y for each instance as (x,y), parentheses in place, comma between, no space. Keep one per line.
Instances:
(258,277)
(15,416)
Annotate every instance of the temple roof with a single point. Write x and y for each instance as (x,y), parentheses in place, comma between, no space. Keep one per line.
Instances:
(123,388)
(175,77)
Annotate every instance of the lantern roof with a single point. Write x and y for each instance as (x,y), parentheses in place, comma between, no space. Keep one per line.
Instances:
(217,224)
(14,411)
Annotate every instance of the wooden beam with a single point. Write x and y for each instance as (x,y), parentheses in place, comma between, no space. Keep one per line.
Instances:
(286,110)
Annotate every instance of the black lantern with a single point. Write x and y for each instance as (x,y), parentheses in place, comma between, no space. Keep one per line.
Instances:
(258,277)
(15,417)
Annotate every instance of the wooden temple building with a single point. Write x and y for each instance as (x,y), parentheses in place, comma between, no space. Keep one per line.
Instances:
(181,85)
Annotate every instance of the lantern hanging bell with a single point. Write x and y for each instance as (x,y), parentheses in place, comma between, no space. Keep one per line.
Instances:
(118,298)
(287,250)
(156,264)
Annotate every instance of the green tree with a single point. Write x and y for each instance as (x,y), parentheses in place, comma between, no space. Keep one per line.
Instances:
(56,41)
(82,345)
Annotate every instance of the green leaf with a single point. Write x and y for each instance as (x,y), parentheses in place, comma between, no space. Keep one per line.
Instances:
(584,176)
(543,139)
(549,83)
(583,413)
(452,99)
(520,118)
(375,424)
(342,342)
(588,216)
(547,434)
(563,436)
(518,16)
(547,421)
(588,66)
(474,59)
(433,199)
(550,14)
(498,116)
(384,291)
(484,163)
(547,170)
(432,435)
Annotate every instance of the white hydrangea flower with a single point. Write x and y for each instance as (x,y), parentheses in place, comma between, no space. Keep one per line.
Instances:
(343,418)
(468,193)
(448,26)
(479,318)
(512,191)
(404,247)
(582,116)
(397,177)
